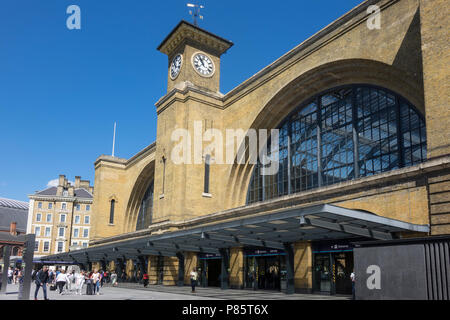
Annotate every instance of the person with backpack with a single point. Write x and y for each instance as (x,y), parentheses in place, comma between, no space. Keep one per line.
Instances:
(41,279)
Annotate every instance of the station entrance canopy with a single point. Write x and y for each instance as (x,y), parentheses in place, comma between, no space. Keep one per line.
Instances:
(274,230)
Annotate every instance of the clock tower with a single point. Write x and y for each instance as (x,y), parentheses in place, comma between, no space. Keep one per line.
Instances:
(193,57)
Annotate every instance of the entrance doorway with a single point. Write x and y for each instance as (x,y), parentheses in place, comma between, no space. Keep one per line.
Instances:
(213,271)
(265,272)
(332,272)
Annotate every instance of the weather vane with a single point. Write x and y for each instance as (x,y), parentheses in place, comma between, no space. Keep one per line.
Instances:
(195,12)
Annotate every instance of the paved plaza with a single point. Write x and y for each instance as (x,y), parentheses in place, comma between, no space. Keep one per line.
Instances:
(130,291)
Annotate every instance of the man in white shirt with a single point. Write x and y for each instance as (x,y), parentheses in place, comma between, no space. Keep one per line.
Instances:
(194,276)
(10,275)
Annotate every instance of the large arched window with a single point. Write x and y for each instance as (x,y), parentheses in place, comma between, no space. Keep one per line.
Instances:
(346,133)
(146,209)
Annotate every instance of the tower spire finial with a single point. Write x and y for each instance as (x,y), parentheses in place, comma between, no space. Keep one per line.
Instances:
(195,12)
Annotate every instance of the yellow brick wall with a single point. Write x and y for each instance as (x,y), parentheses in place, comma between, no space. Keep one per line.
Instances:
(303,266)
(237,268)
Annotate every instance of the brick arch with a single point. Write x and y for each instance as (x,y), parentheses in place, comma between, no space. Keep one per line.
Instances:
(311,83)
(143,181)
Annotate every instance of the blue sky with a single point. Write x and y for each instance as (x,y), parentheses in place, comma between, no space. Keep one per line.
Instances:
(61,90)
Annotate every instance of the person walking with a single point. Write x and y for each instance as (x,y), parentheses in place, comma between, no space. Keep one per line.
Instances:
(79,282)
(352,276)
(61,281)
(96,281)
(10,275)
(15,273)
(114,279)
(41,280)
(102,278)
(194,276)
(145,279)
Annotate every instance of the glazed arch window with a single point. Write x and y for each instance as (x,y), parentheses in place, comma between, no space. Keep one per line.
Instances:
(145,215)
(343,134)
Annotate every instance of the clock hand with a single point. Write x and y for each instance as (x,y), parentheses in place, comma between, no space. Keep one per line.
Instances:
(201,60)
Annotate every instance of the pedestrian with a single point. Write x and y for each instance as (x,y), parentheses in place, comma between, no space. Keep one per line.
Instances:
(79,282)
(1,277)
(61,281)
(102,278)
(88,281)
(15,273)
(114,279)
(41,280)
(96,281)
(352,276)
(10,275)
(194,276)
(145,278)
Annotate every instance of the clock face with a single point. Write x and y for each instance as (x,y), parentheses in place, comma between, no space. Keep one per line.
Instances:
(175,66)
(203,64)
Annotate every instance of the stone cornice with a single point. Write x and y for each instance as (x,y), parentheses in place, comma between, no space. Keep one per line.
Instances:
(60,198)
(120,163)
(185,30)
(185,93)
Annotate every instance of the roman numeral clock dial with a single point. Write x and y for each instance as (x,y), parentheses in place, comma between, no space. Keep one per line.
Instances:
(203,65)
(175,66)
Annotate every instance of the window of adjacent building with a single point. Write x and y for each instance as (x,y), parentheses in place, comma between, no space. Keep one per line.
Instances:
(78,207)
(36,246)
(47,231)
(85,233)
(40,205)
(60,246)
(50,205)
(88,207)
(46,246)
(49,217)
(74,243)
(65,193)
(62,218)
(76,233)
(85,244)
(111,211)
(37,231)
(38,217)
(61,232)
(64,206)
(86,220)
(77,219)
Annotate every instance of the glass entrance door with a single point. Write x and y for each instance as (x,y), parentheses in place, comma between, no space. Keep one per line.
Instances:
(264,272)
(332,272)
(322,273)
(343,266)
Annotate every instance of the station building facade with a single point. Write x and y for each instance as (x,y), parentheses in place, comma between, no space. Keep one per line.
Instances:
(363,118)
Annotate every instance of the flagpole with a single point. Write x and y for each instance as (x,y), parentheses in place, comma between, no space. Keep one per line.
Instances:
(114,139)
